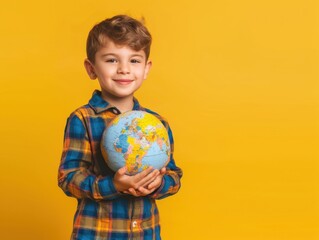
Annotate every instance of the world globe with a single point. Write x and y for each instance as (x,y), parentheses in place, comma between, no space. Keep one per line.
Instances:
(137,140)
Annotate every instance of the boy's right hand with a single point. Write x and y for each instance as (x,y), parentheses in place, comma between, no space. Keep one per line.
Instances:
(123,182)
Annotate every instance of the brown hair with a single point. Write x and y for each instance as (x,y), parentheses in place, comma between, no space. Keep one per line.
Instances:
(122,30)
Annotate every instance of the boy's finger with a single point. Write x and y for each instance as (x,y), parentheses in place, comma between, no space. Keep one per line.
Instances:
(146,184)
(152,189)
(122,170)
(138,177)
(143,191)
(152,184)
(149,178)
(133,192)
(163,170)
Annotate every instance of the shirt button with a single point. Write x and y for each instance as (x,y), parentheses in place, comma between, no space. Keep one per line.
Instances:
(134,224)
(114,110)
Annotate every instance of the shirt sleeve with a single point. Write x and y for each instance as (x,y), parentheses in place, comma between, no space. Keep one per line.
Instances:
(172,179)
(75,176)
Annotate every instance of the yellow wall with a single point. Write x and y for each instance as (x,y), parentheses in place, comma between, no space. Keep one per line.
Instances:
(238,81)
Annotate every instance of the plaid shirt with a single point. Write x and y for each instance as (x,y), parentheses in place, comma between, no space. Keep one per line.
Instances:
(102,212)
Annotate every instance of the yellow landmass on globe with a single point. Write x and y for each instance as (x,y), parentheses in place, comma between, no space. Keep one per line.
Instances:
(141,133)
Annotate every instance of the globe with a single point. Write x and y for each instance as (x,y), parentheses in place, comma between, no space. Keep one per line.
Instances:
(137,140)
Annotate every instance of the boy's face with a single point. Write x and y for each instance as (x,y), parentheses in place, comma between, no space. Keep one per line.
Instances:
(120,70)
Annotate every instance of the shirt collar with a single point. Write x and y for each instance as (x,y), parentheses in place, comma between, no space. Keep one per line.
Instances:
(100,105)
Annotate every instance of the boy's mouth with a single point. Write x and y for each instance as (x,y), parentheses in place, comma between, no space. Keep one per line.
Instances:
(123,81)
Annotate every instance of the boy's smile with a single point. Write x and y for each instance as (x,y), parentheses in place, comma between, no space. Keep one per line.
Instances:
(120,71)
(123,81)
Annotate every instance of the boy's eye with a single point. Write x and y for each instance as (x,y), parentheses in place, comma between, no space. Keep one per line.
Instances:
(135,61)
(111,60)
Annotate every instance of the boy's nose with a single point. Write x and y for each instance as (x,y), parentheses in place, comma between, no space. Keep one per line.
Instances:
(123,68)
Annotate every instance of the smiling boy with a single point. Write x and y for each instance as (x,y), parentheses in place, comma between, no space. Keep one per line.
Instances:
(113,205)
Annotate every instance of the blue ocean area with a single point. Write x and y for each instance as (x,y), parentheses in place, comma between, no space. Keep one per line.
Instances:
(122,143)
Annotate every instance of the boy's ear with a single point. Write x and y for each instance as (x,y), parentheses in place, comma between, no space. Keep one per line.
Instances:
(89,69)
(147,68)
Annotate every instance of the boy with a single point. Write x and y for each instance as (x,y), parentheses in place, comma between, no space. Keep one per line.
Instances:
(113,205)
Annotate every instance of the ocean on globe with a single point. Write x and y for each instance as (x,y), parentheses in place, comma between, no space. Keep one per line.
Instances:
(137,140)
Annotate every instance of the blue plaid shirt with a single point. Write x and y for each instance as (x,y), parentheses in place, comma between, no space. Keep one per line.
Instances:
(102,212)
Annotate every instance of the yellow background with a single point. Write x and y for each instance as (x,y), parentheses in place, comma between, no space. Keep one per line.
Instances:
(237,80)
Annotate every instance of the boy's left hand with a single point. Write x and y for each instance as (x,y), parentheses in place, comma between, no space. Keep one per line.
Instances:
(149,187)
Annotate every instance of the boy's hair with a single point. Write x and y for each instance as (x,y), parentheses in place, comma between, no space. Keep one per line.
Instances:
(122,30)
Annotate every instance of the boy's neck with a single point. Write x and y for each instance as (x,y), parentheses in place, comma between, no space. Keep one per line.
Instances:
(122,104)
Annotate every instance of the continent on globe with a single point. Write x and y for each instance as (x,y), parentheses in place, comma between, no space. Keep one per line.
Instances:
(137,140)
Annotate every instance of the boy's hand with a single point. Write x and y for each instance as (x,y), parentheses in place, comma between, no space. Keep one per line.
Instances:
(149,187)
(123,182)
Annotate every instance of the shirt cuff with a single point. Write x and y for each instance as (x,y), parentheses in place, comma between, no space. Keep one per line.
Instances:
(107,188)
(161,189)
